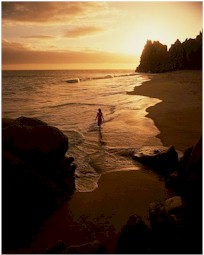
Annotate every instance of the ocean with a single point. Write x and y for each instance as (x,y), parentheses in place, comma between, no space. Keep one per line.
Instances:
(69,100)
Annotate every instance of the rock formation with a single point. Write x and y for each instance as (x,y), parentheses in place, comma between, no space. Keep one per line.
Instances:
(36,177)
(175,225)
(156,58)
(162,159)
(134,237)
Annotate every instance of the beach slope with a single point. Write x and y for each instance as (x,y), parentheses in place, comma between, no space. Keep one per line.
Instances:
(179,114)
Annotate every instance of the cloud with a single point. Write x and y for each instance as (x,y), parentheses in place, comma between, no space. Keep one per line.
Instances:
(42,12)
(83,31)
(13,46)
(15,54)
(38,37)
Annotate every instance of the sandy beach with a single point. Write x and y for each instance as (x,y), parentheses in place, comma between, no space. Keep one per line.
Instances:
(100,215)
(179,114)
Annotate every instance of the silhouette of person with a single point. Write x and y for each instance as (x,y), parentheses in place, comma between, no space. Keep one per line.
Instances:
(99,117)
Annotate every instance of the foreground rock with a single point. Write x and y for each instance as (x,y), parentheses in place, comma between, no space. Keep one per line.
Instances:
(168,226)
(134,237)
(94,247)
(175,225)
(163,159)
(36,177)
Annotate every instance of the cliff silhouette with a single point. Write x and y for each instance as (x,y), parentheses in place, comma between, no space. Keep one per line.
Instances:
(156,58)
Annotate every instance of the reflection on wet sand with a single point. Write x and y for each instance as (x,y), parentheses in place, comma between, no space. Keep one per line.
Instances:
(100,137)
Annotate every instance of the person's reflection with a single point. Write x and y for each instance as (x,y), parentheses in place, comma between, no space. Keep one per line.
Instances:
(100,134)
(100,137)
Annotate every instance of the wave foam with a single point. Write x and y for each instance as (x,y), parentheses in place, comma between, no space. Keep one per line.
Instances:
(73,80)
(108,76)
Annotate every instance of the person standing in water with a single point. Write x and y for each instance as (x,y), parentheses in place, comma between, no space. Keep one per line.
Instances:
(100,118)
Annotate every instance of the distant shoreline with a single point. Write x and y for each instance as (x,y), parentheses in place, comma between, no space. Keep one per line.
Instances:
(179,115)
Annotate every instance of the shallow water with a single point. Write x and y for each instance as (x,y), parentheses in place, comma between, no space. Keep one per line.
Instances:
(72,107)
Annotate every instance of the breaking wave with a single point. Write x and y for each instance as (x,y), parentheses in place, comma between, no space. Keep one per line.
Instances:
(108,76)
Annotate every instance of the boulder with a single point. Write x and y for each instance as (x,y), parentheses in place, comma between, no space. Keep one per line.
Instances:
(6,122)
(168,225)
(161,214)
(174,204)
(172,183)
(190,175)
(34,140)
(94,247)
(190,180)
(179,219)
(162,159)
(29,122)
(134,237)
(37,176)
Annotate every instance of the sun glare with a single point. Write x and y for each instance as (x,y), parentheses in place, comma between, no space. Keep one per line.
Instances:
(155,31)
(122,29)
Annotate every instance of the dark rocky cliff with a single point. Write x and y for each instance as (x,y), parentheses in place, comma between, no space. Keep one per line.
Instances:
(156,58)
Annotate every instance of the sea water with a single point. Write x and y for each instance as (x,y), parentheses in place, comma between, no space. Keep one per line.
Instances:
(70,100)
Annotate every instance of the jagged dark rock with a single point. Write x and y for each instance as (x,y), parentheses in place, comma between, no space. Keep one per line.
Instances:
(163,159)
(190,180)
(181,56)
(191,174)
(176,224)
(36,177)
(134,237)
(153,57)
(168,226)
(186,227)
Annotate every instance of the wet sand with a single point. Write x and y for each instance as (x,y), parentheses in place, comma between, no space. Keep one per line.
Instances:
(100,215)
(179,115)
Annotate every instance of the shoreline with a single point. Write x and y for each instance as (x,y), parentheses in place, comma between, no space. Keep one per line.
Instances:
(179,115)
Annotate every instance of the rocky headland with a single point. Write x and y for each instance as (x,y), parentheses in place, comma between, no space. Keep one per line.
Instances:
(156,58)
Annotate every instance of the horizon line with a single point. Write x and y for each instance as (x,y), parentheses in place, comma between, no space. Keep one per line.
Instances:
(66,69)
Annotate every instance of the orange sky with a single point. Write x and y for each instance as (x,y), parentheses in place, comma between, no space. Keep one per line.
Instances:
(91,35)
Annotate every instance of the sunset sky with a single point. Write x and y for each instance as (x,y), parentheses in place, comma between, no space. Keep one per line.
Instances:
(91,35)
